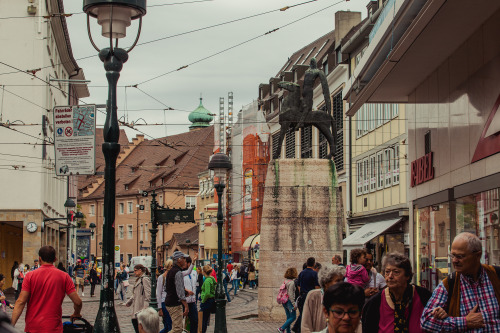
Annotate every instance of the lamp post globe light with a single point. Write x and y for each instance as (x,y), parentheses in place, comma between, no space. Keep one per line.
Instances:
(114,16)
(220,164)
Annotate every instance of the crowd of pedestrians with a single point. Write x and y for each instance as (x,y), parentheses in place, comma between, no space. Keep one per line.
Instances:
(338,298)
(329,297)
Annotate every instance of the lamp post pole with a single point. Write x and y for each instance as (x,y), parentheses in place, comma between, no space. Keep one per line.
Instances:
(220,297)
(106,320)
(220,164)
(154,230)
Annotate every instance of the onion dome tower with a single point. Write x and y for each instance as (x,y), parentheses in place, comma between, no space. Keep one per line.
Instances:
(200,117)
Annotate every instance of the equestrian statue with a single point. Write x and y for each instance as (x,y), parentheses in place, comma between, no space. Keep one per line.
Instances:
(296,110)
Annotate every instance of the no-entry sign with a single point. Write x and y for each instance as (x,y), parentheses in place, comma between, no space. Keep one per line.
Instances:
(74,139)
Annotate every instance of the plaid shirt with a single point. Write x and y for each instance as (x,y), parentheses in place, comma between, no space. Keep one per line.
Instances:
(471,293)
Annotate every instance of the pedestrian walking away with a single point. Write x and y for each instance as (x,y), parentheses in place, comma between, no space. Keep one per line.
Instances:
(288,299)
(468,300)
(43,292)
(313,318)
(175,300)
(199,283)
(190,280)
(234,280)
(342,304)
(4,303)
(93,279)
(141,294)
(225,281)
(307,281)
(398,307)
(79,274)
(207,297)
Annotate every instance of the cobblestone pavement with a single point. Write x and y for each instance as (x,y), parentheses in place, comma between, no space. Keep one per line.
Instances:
(241,313)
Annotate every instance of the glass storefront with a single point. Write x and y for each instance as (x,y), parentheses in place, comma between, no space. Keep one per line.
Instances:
(436,225)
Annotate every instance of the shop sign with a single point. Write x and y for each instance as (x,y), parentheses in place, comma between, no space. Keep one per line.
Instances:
(422,170)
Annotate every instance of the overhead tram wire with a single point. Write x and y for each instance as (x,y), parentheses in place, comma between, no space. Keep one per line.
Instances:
(239,44)
(188,32)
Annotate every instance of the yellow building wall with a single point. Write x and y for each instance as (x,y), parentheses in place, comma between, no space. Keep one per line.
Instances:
(371,143)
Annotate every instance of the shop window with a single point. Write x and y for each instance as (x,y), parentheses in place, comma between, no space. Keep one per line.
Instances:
(359,169)
(388,166)
(380,170)
(432,242)
(373,173)
(395,169)
(366,175)
(478,214)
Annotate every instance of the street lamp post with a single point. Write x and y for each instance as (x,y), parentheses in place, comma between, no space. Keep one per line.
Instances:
(68,204)
(114,16)
(220,165)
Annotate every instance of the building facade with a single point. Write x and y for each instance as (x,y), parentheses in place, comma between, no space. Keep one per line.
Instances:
(40,51)
(378,214)
(452,97)
(170,167)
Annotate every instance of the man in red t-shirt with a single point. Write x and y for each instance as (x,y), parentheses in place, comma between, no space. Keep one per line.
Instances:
(229,268)
(44,290)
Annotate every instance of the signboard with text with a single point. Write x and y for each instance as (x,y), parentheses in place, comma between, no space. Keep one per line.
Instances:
(167,215)
(74,139)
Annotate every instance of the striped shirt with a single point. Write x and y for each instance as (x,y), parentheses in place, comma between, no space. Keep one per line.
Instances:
(472,292)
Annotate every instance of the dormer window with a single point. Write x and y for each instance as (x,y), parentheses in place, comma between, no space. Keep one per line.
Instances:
(126,187)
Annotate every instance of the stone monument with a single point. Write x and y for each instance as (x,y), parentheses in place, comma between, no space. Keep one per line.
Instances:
(301,218)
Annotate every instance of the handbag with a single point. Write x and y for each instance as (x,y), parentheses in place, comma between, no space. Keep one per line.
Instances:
(125,283)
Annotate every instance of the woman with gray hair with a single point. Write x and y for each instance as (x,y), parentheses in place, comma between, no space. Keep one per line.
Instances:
(398,307)
(149,321)
(313,319)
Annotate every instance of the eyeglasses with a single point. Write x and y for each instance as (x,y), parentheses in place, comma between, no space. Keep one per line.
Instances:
(339,314)
(395,272)
(460,256)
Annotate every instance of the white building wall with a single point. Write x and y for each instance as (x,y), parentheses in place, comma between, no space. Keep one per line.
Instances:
(26,43)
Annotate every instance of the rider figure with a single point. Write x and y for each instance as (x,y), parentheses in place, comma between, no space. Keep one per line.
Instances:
(310,77)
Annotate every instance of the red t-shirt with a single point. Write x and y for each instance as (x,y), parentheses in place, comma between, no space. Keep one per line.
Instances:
(229,268)
(47,287)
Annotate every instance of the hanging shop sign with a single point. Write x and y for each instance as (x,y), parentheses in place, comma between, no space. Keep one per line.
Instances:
(74,139)
(422,170)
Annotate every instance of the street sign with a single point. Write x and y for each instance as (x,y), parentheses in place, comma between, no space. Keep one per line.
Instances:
(167,215)
(117,256)
(74,139)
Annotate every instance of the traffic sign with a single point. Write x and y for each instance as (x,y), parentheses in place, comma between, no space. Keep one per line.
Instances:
(74,139)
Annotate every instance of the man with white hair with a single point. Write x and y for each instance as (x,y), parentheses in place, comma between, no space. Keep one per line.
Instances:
(149,321)
(468,300)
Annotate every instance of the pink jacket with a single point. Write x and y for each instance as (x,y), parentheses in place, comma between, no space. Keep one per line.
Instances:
(357,274)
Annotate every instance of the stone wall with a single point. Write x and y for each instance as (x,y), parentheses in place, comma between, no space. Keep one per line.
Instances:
(299,220)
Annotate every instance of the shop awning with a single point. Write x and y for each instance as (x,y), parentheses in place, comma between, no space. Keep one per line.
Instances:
(250,242)
(366,233)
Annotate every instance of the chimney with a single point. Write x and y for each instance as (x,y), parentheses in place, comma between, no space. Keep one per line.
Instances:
(344,21)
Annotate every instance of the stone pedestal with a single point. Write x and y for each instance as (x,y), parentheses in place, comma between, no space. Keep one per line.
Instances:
(299,220)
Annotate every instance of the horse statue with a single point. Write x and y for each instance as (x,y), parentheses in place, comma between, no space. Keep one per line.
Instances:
(292,112)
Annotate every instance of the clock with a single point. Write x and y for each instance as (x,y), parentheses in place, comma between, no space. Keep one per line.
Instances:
(31,227)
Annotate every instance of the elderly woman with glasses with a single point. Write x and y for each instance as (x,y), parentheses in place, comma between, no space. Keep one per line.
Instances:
(342,304)
(313,318)
(398,307)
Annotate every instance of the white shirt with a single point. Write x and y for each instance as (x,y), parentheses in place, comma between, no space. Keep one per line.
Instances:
(376,280)
(161,294)
(190,284)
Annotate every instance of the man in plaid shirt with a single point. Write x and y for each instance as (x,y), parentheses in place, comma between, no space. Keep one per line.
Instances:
(473,306)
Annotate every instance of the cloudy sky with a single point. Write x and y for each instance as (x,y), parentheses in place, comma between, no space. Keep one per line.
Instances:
(240,69)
